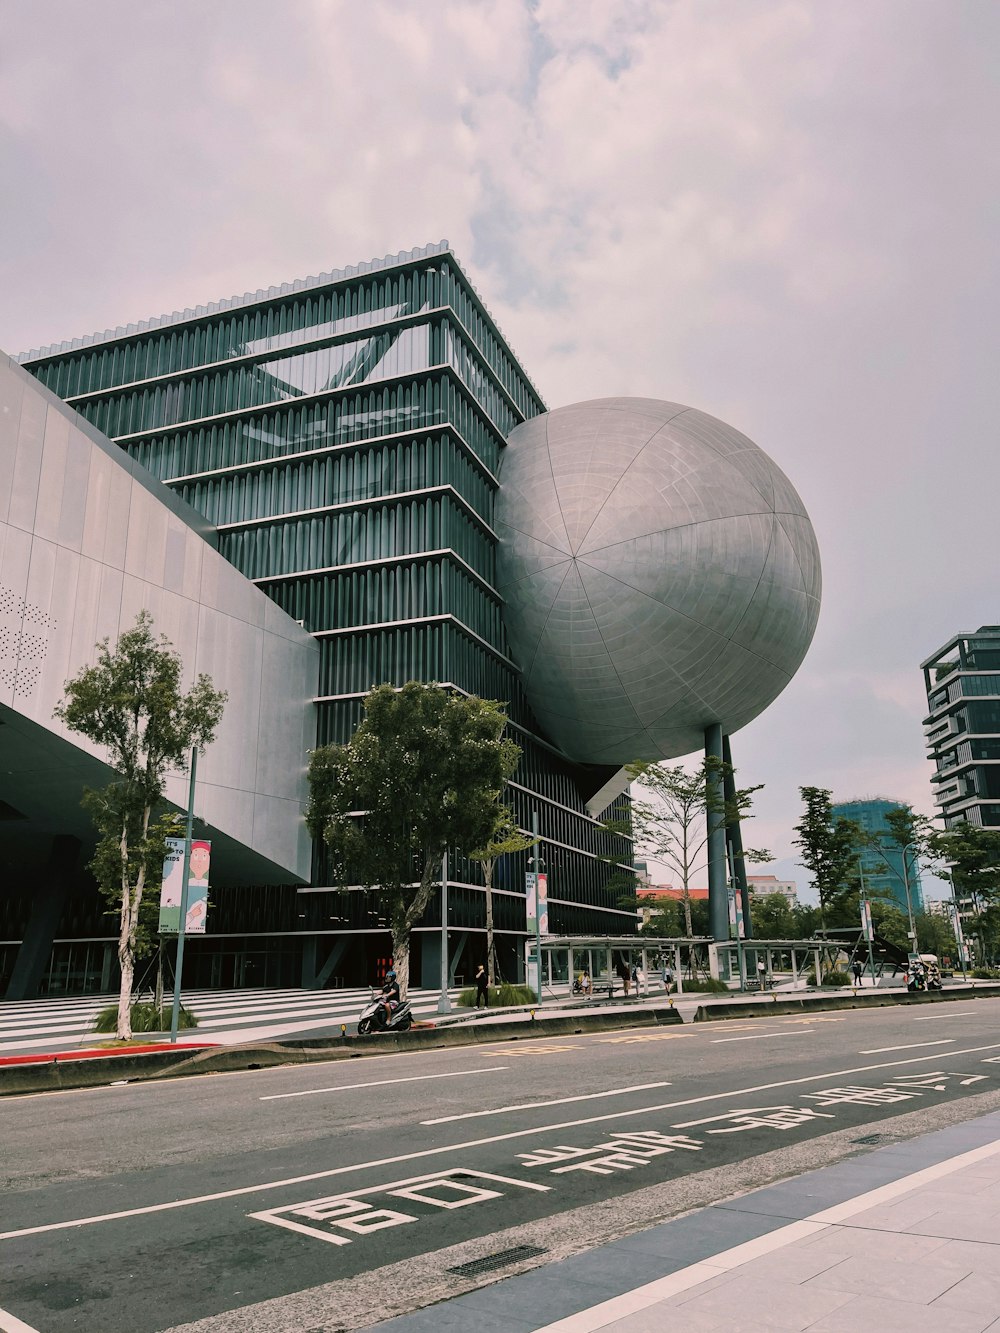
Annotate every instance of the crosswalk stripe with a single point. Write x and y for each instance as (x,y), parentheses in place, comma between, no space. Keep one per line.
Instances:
(225,1016)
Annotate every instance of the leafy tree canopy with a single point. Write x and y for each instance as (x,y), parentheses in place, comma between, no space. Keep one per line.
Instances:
(423,772)
(130,703)
(506,839)
(683,808)
(829,851)
(969,857)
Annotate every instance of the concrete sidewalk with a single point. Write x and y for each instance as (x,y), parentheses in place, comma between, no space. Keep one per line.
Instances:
(904,1237)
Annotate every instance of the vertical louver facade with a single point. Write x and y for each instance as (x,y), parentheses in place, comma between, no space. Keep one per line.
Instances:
(343,435)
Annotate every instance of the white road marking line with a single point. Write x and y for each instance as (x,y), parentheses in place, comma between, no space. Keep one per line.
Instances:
(190,1078)
(651,1293)
(934,1018)
(557,1101)
(381,1083)
(717,1041)
(399,1188)
(881,1050)
(11,1324)
(471,1143)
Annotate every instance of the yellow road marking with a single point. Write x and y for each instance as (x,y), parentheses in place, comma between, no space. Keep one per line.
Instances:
(536,1050)
(812,1020)
(647,1036)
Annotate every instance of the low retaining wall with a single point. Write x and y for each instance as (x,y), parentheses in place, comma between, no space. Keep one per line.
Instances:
(845,998)
(60,1072)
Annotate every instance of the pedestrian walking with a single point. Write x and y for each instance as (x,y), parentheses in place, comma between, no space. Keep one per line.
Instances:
(857,969)
(635,979)
(640,980)
(585,983)
(482,987)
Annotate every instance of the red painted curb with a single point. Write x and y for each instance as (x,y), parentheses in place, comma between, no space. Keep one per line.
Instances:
(56,1057)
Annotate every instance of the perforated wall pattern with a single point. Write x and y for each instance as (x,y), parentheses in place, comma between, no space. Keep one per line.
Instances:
(21,652)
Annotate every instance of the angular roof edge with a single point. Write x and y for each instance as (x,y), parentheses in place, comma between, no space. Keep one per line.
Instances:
(238,302)
(262,294)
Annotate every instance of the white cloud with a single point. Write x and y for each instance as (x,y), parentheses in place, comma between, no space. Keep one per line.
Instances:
(781,212)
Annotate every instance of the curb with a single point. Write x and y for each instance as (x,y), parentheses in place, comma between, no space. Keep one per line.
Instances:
(99,1053)
(846,999)
(56,1073)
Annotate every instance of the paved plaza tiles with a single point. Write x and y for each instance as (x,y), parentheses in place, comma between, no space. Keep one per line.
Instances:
(904,1237)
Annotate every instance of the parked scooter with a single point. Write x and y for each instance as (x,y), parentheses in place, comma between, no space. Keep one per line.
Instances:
(373,1016)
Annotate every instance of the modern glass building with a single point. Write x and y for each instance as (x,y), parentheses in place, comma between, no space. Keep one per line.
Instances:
(889,868)
(962,727)
(962,731)
(342,435)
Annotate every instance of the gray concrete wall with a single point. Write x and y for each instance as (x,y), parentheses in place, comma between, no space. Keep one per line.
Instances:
(88,539)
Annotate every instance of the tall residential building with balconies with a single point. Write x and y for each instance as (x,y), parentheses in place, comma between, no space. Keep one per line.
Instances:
(962,726)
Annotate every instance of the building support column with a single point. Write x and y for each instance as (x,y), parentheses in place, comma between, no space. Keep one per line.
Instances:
(718,878)
(734,836)
(47,905)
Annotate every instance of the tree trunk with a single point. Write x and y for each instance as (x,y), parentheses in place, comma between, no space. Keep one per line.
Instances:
(126,961)
(405,918)
(401,957)
(126,954)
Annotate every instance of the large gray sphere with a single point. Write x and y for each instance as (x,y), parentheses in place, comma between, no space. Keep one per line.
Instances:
(660,574)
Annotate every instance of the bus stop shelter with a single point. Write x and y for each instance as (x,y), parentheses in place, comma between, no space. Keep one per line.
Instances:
(601,956)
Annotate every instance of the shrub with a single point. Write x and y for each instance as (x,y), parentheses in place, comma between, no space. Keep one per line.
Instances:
(985,973)
(833,978)
(145,1018)
(709,985)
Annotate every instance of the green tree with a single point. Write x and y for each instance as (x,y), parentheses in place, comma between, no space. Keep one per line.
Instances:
(506,839)
(673,825)
(969,857)
(889,921)
(829,851)
(805,921)
(772,917)
(664,920)
(935,935)
(907,833)
(423,772)
(131,704)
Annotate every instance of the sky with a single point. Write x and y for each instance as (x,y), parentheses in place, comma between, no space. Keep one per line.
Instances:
(782,212)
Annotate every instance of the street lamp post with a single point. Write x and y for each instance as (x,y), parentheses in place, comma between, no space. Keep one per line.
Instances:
(909,902)
(444,1003)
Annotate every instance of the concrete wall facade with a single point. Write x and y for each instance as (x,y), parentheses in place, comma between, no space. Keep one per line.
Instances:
(88,539)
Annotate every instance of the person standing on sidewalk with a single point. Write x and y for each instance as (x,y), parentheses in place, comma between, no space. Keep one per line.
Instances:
(640,981)
(482,987)
(857,969)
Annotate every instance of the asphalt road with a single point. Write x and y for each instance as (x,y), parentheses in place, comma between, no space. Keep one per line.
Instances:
(148,1207)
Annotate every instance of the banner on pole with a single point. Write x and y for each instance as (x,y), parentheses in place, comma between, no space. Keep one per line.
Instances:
(173,881)
(536,889)
(866,919)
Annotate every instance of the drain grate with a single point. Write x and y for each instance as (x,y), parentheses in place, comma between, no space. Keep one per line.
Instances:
(871,1139)
(501,1259)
